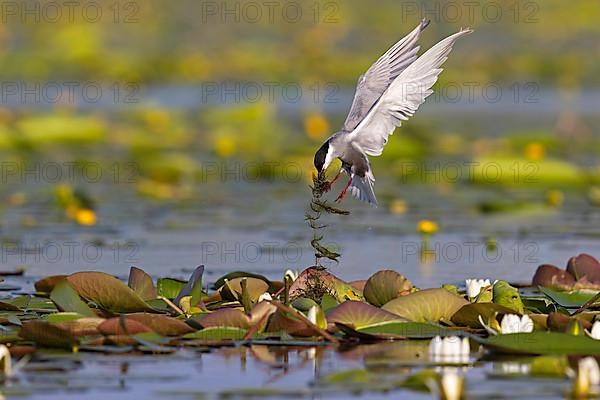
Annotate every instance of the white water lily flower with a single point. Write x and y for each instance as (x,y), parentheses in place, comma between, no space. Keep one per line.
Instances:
(452,385)
(450,349)
(511,323)
(264,296)
(515,368)
(312,315)
(588,375)
(474,286)
(595,332)
(290,274)
(5,361)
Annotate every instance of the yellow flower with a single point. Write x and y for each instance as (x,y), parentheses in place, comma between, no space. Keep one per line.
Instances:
(225,146)
(535,151)
(158,119)
(427,227)
(555,198)
(85,217)
(398,206)
(316,126)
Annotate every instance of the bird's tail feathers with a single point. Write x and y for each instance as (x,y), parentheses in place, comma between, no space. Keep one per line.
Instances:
(362,189)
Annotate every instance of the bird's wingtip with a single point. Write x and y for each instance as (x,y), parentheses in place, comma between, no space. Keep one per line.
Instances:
(425,23)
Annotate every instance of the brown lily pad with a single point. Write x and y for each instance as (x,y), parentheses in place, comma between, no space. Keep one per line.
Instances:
(553,277)
(584,266)
(46,334)
(122,326)
(162,324)
(82,326)
(141,283)
(107,292)
(46,285)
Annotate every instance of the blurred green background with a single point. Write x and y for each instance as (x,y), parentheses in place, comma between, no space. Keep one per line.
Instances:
(164,118)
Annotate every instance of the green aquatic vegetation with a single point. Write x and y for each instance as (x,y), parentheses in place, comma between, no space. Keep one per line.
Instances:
(507,296)
(94,311)
(317,208)
(384,286)
(428,305)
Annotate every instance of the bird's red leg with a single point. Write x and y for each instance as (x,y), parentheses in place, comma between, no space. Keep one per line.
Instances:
(343,193)
(330,184)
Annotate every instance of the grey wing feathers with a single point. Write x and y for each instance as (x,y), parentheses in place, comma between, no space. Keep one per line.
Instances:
(402,98)
(381,74)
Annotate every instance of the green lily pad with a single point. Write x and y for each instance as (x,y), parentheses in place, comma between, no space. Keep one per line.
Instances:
(64,317)
(358,314)
(429,305)
(539,342)
(407,330)
(67,299)
(169,287)
(239,274)
(571,299)
(233,289)
(384,286)
(469,314)
(218,334)
(508,296)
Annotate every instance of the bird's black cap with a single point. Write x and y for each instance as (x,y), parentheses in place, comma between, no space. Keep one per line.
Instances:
(320,156)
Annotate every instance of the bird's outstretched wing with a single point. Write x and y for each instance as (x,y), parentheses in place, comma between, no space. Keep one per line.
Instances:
(402,98)
(373,83)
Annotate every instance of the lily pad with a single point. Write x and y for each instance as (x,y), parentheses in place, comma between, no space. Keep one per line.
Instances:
(469,314)
(429,305)
(553,277)
(46,285)
(239,274)
(584,266)
(384,286)
(358,315)
(162,324)
(571,299)
(107,292)
(67,299)
(47,335)
(508,296)
(399,330)
(193,287)
(169,287)
(218,334)
(254,286)
(122,326)
(539,342)
(141,283)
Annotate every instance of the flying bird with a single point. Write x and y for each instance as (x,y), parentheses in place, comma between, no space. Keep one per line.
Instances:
(389,92)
